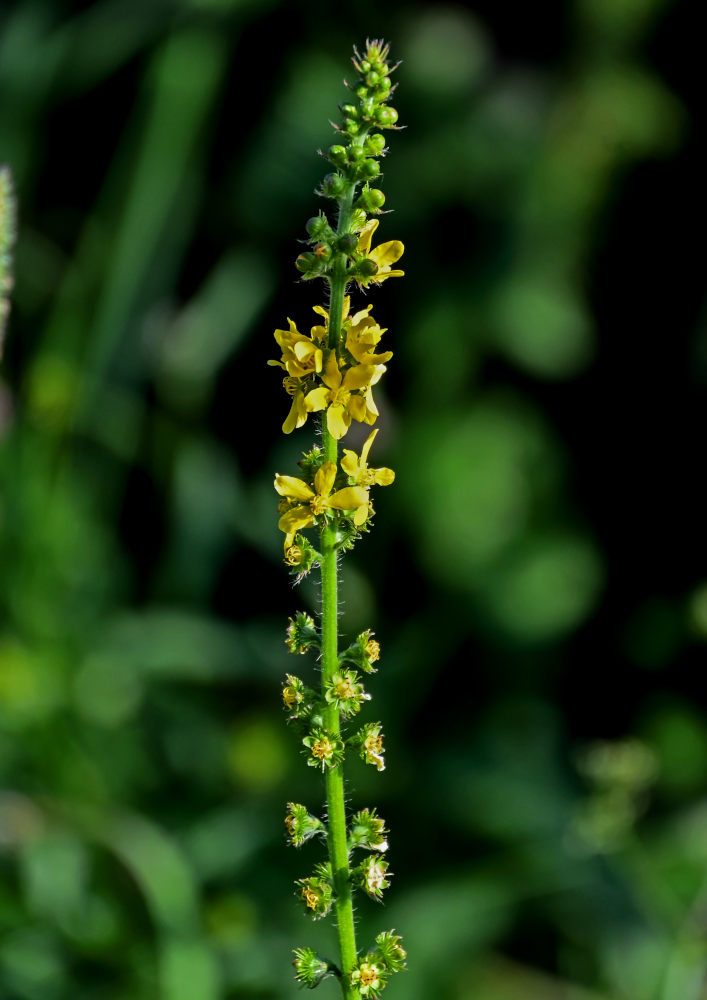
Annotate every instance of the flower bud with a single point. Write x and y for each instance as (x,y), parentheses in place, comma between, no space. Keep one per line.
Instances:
(337,155)
(319,229)
(369,169)
(368,830)
(302,633)
(322,251)
(349,110)
(301,825)
(347,243)
(364,268)
(310,969)
(375,143)
(309,265)
(333,186)
(386,117)
(371,199)
(389,952)
(351,126)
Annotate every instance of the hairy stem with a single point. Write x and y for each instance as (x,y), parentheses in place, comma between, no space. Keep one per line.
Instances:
(336,810)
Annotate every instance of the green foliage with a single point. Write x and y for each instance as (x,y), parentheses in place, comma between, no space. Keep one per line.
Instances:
(525,578)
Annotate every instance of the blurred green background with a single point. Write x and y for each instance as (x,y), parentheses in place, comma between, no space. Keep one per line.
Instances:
(536,576)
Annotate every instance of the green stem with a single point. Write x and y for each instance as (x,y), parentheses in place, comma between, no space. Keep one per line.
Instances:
(336,809)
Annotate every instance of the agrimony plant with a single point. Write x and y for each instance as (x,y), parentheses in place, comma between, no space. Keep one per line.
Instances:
(332,372)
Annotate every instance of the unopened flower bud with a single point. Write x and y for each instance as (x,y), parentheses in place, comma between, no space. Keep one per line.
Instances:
(386,117)
(310,969)
(333,186)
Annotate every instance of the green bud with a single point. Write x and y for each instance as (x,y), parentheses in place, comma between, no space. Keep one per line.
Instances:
(301,633)
(309,265)
(389,951)
(319,229)
(386,117)
(337,155)
(300,824)
(369,169)
(372,78)
(364,268)
(356,154)
(347,243)
(310,969)
(375,144)
(360,89)
(371,199)
(368,831)
(333,186)
(349,110)
(365,66)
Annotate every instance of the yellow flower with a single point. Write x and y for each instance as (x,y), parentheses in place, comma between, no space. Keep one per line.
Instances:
(357,469)
(300,355)
(314,502)
(339,395)
(362,335)
(298,412)
(383,255)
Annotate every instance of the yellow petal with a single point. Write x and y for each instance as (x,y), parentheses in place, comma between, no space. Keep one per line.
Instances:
(357,408)
(386,254)
(331,376)
(367,447)
(295,520)
(361,515)
(338,421)
(349,498)
(364,240)
(384,477)
(293,488)
(297,415)
(317,399)
(321,311)
(359,376)
(386,274)
(324,479)
(349,463)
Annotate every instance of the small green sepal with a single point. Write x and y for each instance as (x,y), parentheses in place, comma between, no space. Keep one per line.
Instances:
(368,831)
(302,633)
(310,969)
(389,952)
(301,826)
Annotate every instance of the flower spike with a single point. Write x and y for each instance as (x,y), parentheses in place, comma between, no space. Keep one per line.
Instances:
(330,374)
